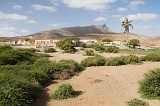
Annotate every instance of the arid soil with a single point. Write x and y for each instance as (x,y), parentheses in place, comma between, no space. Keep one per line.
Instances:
(103,86)
(80,56)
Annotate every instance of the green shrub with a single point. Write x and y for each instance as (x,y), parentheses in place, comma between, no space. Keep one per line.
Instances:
(16,91)
(112,49)
(12,57)
(137,102)
(123,60)
(23,71)
(106,40)
(90,53)
(64,91)
(64,69)
(41,77)
(42,71)
(149,87)
(131,59)
(134,42)
(5,47)
(31,50)
(39,55)
(49,50)
(68,45)
(83,45)
(152,57)
(115,61)
(93,61)
(98,47)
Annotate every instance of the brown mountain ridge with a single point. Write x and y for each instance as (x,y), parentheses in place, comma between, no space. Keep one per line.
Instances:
(73,31)
(89,32)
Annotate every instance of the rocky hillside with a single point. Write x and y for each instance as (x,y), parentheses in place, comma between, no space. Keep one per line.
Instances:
(72,31)
(88,32)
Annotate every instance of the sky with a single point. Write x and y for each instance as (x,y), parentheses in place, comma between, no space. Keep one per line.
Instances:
(24,17)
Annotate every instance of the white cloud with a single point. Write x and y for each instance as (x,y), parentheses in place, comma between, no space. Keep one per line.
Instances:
(30,22)
(12,17)
(100,19)
(7,31)
(86,4)
(122,9)
(135,3)
(56,24)
(42,7)
(17,7)
(24,31)
(55,2)
(142,17)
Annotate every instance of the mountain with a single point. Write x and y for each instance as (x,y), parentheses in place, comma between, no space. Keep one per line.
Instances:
(88,32)
(72,31)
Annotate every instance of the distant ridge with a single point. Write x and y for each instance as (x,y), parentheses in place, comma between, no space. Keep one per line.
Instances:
(87,32)
(73,31)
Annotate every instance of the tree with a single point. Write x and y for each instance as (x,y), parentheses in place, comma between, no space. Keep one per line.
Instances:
(106,40)
(68,44)
(134,42)
(126,24)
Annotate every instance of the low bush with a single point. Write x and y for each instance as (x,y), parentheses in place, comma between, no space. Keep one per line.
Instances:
(123,60)
(31,50)
(49,50)
(131,59)
(89,53)
(115,61)
(68,44)
(16,91)
(68,47)
(64,69)
(106,40)
(93,61)
(42,71)
(84,45)
(149,87)
(137,102)
(151,57)
(133,43)
(5,47)
(12,57)
(63,91)
(112,49)
(98,47)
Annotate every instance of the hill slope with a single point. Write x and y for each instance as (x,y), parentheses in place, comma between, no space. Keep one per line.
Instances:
(73,31)
(88,32)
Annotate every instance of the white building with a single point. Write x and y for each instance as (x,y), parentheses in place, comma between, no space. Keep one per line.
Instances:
(45,43)
(91,41)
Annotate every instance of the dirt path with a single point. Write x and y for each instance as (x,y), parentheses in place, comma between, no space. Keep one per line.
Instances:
(104,86)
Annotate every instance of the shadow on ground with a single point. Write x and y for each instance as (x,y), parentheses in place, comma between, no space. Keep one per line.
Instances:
(43,99)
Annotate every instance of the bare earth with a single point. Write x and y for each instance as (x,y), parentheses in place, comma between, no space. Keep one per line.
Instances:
(103,86)
(79,56)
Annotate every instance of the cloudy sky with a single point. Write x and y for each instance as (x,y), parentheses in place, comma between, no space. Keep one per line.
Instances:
(23,17)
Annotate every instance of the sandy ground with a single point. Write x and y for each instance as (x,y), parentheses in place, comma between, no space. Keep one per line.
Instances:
(100,86)
(80,56)
(103,86)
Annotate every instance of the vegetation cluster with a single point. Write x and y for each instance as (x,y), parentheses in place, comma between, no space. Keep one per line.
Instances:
(49,50)
(63,91)
(149,87)
(22,78)
(137,102)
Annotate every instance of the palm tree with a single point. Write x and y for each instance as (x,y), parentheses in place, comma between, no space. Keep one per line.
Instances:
(126,24)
